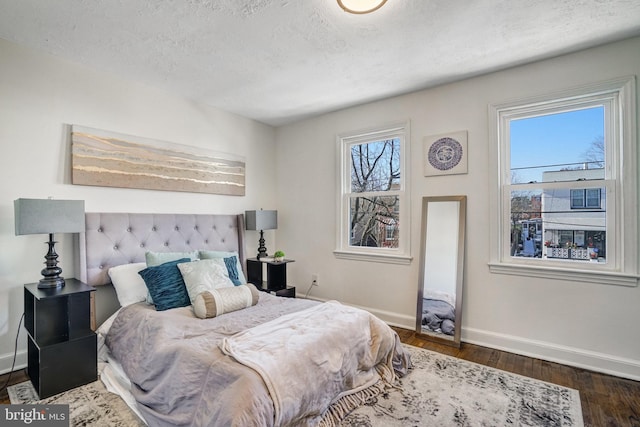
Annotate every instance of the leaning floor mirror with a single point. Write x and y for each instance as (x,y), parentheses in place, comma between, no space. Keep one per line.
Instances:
(439,312)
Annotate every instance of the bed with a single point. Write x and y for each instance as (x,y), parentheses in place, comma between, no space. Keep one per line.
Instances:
(259,364)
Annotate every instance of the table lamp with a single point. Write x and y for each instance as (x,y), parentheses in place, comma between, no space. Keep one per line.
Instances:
(49,216)
(261,220)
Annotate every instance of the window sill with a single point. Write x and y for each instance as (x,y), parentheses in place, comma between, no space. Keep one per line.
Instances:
(590,276)
(363,256)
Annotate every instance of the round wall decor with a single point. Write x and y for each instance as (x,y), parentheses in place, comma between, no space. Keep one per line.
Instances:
(445,153)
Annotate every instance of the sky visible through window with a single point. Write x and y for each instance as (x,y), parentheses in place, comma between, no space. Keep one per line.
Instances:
(554,142)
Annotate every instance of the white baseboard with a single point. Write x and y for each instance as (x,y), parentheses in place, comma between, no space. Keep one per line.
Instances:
(591,360)
(7,359)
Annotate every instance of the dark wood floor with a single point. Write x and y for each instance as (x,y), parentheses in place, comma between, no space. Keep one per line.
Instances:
(606,400)
(16,377)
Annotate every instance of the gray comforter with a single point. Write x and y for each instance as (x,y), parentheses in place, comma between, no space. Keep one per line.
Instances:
(181,377)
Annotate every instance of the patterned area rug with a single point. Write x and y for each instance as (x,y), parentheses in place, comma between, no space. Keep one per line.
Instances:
(89,405)
(439,391)
(445,391)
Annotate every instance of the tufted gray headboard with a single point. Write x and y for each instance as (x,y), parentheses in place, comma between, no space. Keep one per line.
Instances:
(113,239)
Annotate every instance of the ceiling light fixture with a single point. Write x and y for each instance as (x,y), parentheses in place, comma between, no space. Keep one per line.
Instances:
(361,6)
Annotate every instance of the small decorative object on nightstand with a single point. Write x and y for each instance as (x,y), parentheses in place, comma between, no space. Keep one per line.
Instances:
(62,348)
(278,256)
(276,275)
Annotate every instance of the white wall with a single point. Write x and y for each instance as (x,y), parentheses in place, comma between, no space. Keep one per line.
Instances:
(39,97)
(582,324)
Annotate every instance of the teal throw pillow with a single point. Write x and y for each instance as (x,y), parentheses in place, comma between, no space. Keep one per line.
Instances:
(232,268)
(166,285)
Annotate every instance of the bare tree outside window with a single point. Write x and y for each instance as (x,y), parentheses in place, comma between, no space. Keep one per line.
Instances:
(594,156)
(374,208)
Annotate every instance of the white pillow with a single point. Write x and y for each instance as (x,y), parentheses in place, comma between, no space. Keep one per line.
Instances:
(204,275)
(129,285)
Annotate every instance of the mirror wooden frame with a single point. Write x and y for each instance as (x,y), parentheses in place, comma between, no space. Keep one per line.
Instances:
(459,267)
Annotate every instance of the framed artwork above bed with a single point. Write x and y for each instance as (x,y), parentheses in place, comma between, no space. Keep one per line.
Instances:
(109,159)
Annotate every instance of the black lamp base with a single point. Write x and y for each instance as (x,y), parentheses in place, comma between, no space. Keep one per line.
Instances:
(262,249)
(51,272)
(51,283)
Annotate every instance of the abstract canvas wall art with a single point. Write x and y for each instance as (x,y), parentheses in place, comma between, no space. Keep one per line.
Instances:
(108,159)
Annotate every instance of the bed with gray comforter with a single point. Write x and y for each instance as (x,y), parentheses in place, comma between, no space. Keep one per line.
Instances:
(281,362)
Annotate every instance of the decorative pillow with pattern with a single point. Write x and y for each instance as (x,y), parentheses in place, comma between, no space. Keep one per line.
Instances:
(204,275)
(224,300)
(222,254)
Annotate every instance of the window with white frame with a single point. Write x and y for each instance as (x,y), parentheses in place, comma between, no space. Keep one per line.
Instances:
(564,190)
(373,209)
(585,198)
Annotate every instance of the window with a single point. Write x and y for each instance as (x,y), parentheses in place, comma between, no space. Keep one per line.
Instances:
(585,198)
(565,189)
(373,208)
(391,235)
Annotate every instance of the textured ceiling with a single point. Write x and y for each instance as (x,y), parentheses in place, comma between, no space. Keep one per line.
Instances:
(278,61)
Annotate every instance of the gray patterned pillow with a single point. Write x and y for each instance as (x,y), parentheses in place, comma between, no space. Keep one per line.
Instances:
(222,254)
(204,275)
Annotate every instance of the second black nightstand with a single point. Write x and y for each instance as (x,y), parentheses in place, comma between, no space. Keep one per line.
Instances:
(276,273)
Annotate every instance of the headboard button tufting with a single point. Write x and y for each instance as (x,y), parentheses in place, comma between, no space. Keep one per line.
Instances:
(129,229)
(100,230)
(153,229)
(115,248)
(166,243)
(177,228)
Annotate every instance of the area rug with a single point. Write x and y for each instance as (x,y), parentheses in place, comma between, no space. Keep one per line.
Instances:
(89,405)
(439,391)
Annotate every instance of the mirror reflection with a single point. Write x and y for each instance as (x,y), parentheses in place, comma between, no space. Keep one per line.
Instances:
(441,269)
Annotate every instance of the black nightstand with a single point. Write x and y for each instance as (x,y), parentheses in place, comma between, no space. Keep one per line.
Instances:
(62,348)
(276,282)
